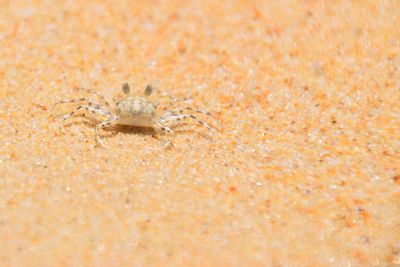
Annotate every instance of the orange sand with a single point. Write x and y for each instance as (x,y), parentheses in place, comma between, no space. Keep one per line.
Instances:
(304,172)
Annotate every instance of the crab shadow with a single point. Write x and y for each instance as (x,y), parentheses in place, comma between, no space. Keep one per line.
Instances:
(181,129)
(178,130)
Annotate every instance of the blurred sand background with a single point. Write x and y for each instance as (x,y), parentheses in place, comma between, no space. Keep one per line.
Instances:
(304,172)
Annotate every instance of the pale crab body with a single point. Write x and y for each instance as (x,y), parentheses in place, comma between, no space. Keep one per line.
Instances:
(137,111)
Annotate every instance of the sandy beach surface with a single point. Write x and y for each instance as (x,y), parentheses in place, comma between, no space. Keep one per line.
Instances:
(305,167)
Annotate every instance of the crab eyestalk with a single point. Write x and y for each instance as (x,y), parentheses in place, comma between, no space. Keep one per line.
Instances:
(126,89)
(148,90)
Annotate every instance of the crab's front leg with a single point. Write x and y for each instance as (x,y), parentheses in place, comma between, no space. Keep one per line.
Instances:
(98,110)
(105,124)
(96,94)
(177,117)
(165,129)
(90,102)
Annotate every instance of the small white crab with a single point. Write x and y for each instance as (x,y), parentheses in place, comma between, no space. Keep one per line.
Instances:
(138,111)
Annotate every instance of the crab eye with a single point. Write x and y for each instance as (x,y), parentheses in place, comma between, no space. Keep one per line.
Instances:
(125,88)
(148,90)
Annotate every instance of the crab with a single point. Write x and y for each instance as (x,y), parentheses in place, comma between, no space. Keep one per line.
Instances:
(137,111)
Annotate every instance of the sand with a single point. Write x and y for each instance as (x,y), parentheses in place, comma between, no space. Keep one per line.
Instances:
(305,168)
